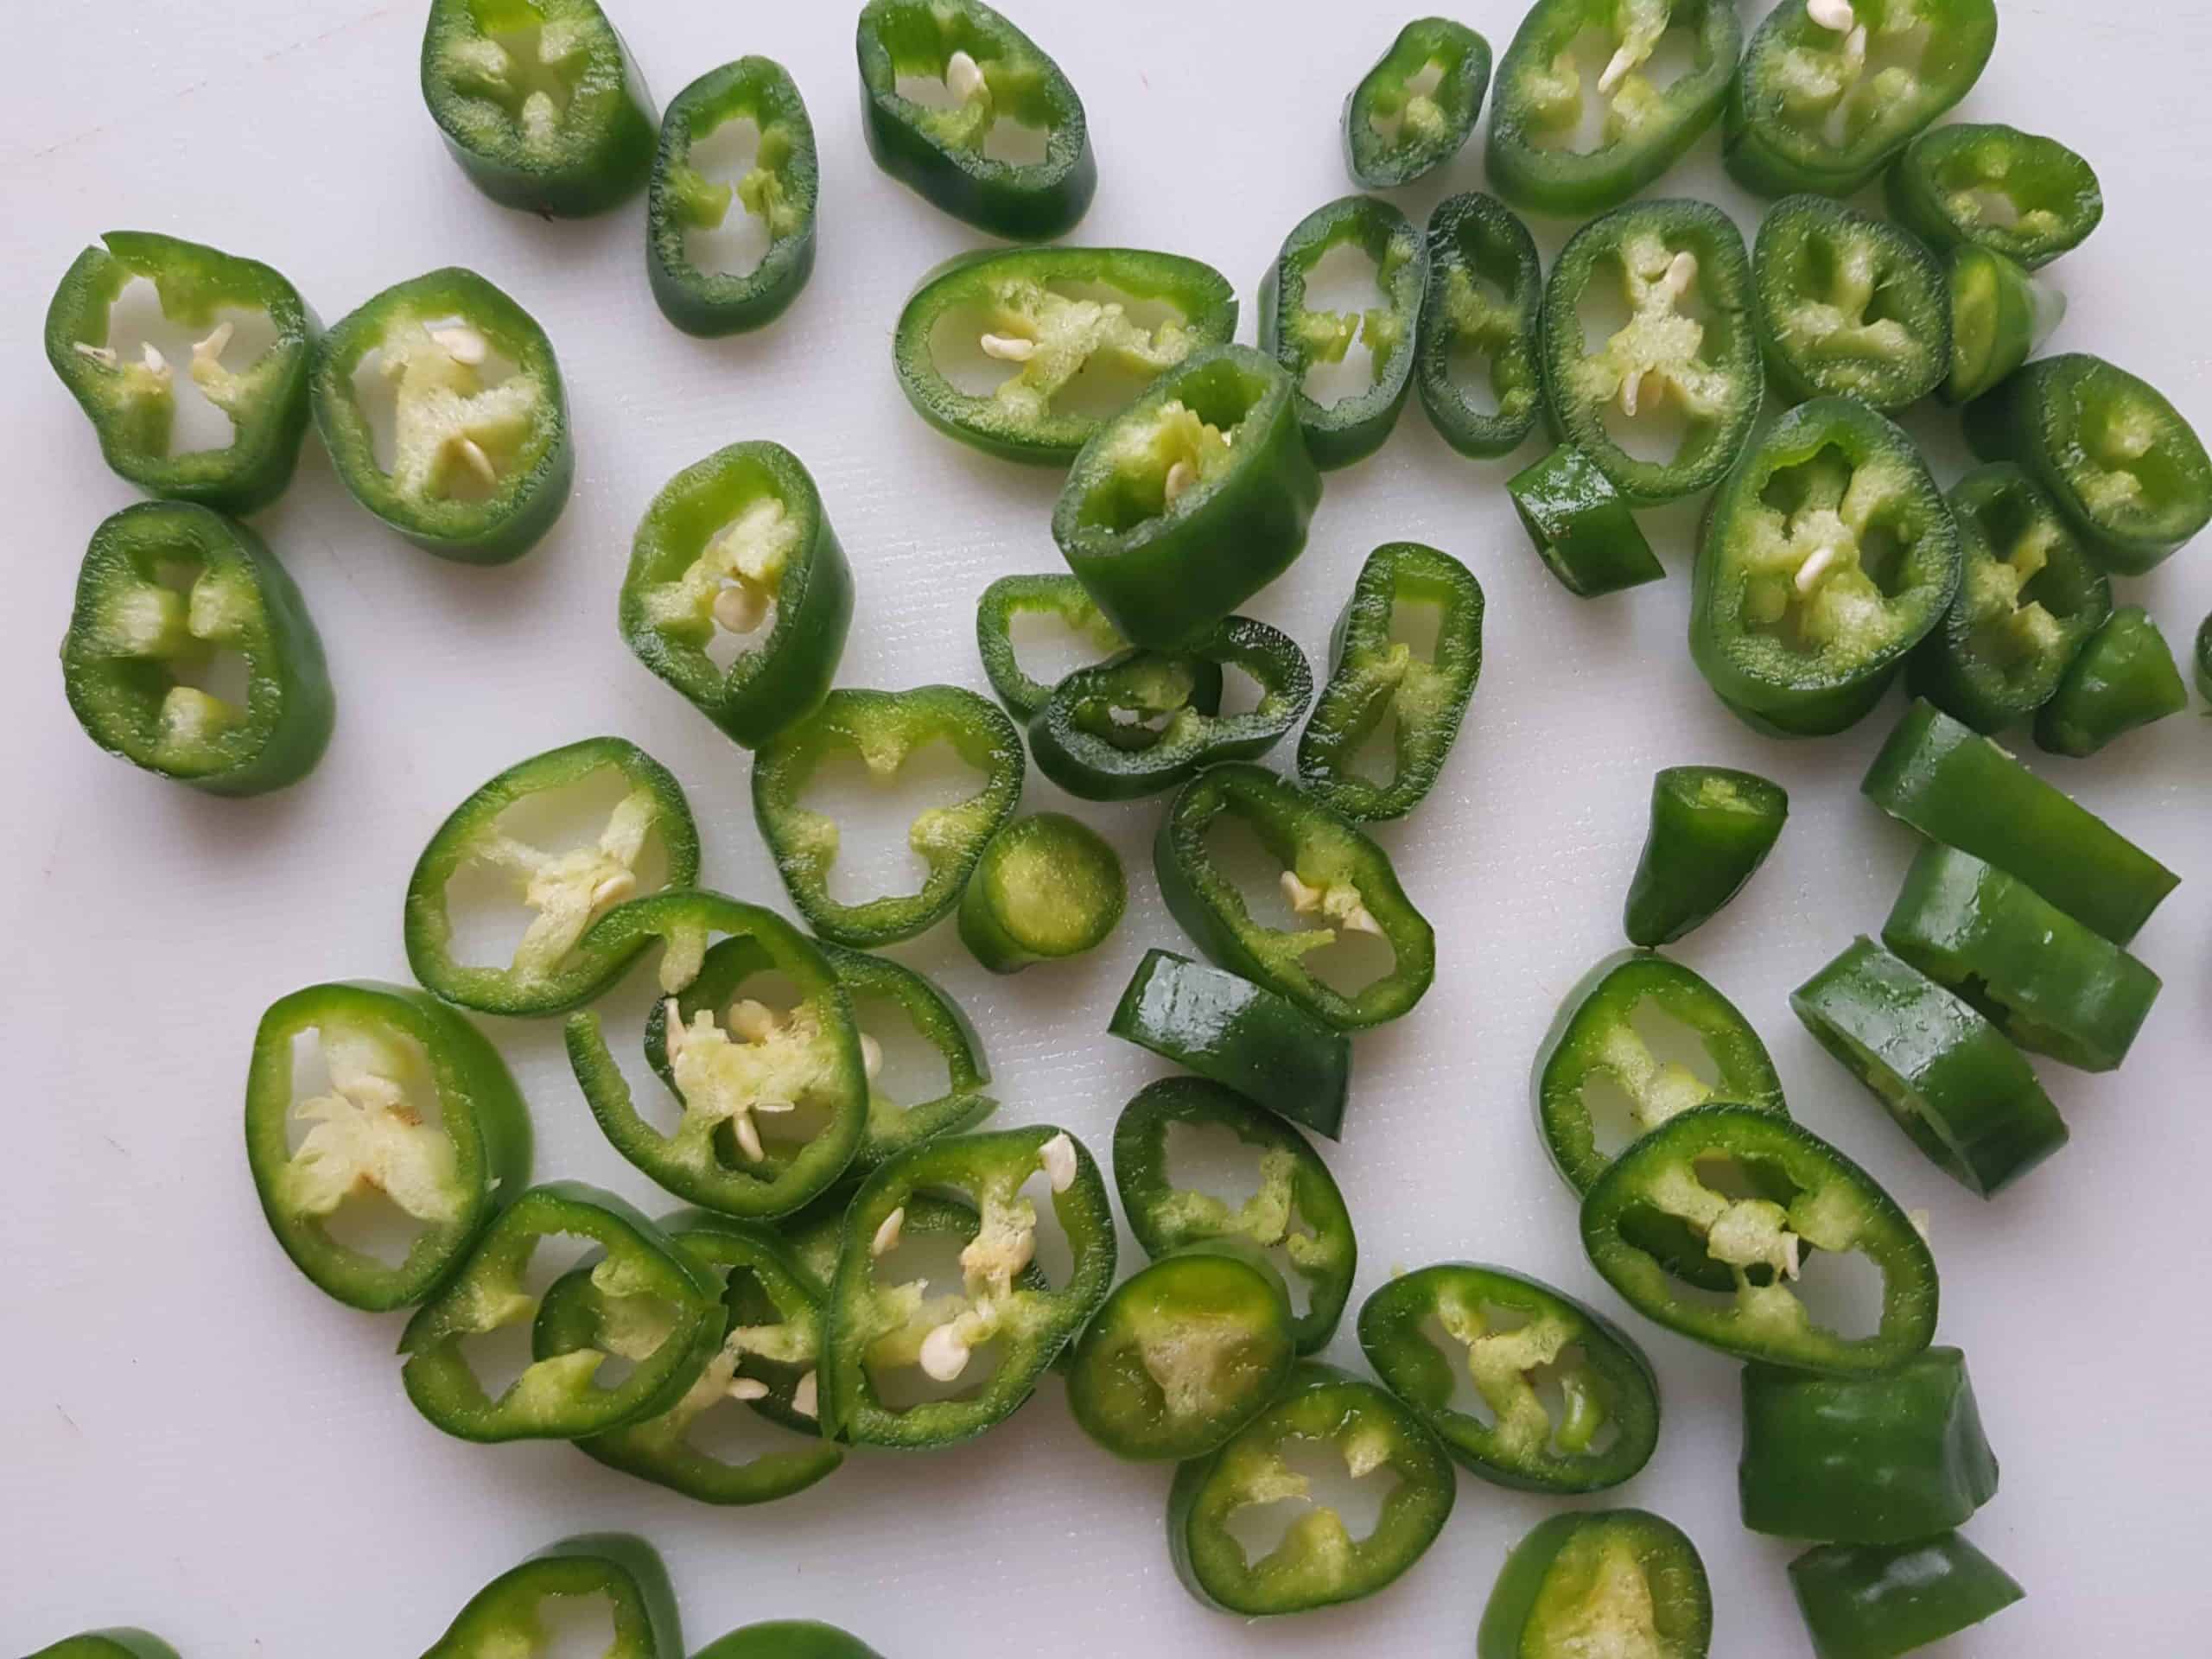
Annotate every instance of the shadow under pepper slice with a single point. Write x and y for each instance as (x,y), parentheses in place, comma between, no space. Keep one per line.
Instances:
(1690,339)
(1824,98)
(1883,1601)
(883,728)
(1174,729)
(1330,870)
(2123,677)
(2128,472)
(788,1639)
(1999,317)
(1295,1212)
(1850,304)
(1826,556)
(1516,1334)
(1046,888)
(1374,676)
(1581,527)
(1663,1181)
(1537,158)
(507,1615)
(167,588)
(1059,596)
(779,190)
(1711,828)
(739,544)
(1945,187)
(120,1642)
(1955,787)
(388,1052)
(132,406)
(1416,109)
(995,73)
(1001,1312)
(1319,1563)
(481,462)
(540,103)
(1612,1576)
(1485,293)
(565,891)
(1863,1459)
(641,1272)
(876,983)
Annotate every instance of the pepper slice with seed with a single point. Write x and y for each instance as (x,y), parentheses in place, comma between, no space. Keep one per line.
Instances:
(1882,1601)
(1607,1580)
(1416,109)
(1581,528)
(1486,295)
(507,1615)
(1945,186)
(2000,316)
(2123,677)
(1046,888)
(1848,304)
(1059,596)
(1711,828)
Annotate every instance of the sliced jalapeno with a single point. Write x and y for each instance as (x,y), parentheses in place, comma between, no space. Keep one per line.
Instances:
(1848,304)
(1581,528)
(880,987)
(1048,888)
(1948,186)
(1881,1601)
(1623,1579)
(1059,596)
(1414,110)
(2000,316)
(1711,828)
(2123,677)
(1485,293)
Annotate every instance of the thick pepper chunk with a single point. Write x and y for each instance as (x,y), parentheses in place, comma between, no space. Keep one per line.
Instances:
(2000,316)
(1486,295)
(1612,1582)
(1060,597)
(1048,888)
(1712,827)
(507,1615)
(1581,527)
(2123,677)
(1416,109)
(1946,188)
(1848,304)
(1881,1601)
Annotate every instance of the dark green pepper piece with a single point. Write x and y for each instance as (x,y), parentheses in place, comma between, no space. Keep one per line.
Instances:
(624,1572)
(1296,1213)
(540,103)
(2204,658)
(993,72)
(132,406)
(1828,1202)
(740,543)
(165,589)
(116,1643)
(1822,109)
(779,190)
(1941,189)
(1059,318)
(1581,527)
(1956,786)
(2029,599)
(1516,1333)
(1046,888)
(1319,1563)
(1416,109)
(1664,258)
(1191,499)
(1863,1459)
(1536,158)
(1849,304)
(788,1639)
(2046,982)
(1352,427)
(880,988)
(1486,295)
(2124,676)
(557,1398)
(1082,745)
(1061,597)
(481,466)
(566,890)
(1613,1576)
(883,728)
(2128,472)
(388,1050)
(1826,556)
(1374,676)
(1241,1035)
(1711,828)
(2000,316)
(1880,1601)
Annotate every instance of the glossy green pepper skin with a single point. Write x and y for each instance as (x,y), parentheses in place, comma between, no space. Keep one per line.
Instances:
(117,1643)
(1046,888)
(780,190)
(1061,597)
(2000,315)
(1863,1459)
(1712,827)
(2128,473)
(1848,304)
(1957,787)
(1395,133)
(2123,677)
(726,541)
(623,1572)
(132,406)
(134,634)
(1509,1329)
(1535,159)
(788,1639)
(993,72)
(2204,658)
(1589,1572)
(1824,110)
(1296,1213)
(1883,1601)
(886,994)
(1301,338)
(1580,525)
(1485,296)
(1374,678)
(1939,190)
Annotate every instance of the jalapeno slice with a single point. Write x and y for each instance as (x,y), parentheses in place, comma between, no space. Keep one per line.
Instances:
(1612,1581)
(1414,110)
(1948,186)
(1486,295)
(1848,304)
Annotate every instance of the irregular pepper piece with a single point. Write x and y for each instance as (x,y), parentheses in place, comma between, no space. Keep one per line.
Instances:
(879,986)
(1880,1602)
(788,1639)
(1416,109)
(1711,828)
(1515,1336)
(507,1615)
(1946,186)
(1485,293)
(166,589)
(1048,888)
(1849,304)
(2123,677)
(1059,596)
(2000,316)
(1581,528)
(1603,1581)
(133,404)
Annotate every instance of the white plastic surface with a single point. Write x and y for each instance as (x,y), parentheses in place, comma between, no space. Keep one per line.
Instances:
(196,1440)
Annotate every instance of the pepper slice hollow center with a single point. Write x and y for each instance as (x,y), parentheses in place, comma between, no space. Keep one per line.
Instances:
(1504,1359)
(1047,338)
(1632,102)
(1757,1236)
(2011,624)
(1317,1550)
(758,1062)
(570,891)
(530,72)
(735,583)
(1840,83)
(635,1328)
(1268,1217)
(368,1133)
(457,428)
(1659,350)
(181,623)
(1657,1090)
(1816,547)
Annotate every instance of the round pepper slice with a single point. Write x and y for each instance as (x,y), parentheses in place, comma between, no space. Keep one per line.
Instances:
(1944,187)
(1059,596)
(1622,1578)
(2000,316)
(1048,888)
(1485,293)
(1883,1601)
(1848,304)
(788,1639)
(2123,677)
(507,1615)
(1712,827)
(1415,110)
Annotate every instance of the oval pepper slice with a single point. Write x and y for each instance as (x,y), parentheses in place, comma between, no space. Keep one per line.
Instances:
(418,1109)
(120,1642)
(1046,888)
(565,891)
(1886,1600)
(1711,829)
(1621,1577)
(165,589)
(1516,1334)
(788,1639)
(132,406)
(779,189)
(507,1615)
(882,989)
(1295,1212)
(1319,1563)
(2000,316)
(740,545)
(1848,304)
(2123,677)
(1659,1185)
(1484,297)
(1581,528)
(1826,556)
(1059,596)
(1944,187)
(1416,108)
